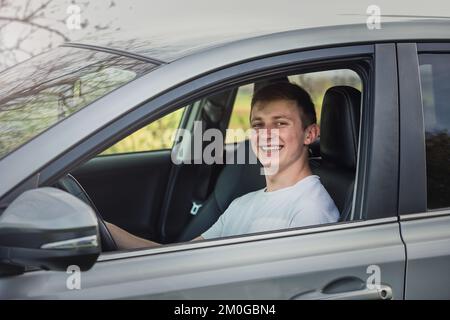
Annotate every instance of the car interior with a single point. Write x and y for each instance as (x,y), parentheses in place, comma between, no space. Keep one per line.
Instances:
(148,195)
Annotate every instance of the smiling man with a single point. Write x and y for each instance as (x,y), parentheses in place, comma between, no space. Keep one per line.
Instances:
(284,122)
(283,119)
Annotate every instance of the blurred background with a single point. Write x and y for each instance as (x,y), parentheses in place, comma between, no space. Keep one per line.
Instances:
(29,27)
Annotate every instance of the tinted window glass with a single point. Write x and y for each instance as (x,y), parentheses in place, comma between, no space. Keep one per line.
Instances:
(44,90)
(435,82)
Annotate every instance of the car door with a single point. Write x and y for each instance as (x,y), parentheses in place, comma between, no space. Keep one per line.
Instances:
(362,259)
(424,202)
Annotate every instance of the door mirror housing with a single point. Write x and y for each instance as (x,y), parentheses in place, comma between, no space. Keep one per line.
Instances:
(49,229)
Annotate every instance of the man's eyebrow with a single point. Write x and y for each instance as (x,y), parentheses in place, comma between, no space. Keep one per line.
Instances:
(277,117)
(281,117)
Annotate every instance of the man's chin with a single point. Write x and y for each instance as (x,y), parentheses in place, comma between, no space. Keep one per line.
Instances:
(268,156)
(268,162)
(265,162)
(270,170)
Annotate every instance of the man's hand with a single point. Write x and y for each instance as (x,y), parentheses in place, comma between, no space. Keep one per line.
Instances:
(126,240)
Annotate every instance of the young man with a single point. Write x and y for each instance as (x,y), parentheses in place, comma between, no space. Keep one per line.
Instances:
(284,122)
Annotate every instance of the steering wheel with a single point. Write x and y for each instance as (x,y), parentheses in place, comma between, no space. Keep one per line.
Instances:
(71,185)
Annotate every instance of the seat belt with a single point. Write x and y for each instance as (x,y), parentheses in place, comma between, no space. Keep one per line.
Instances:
(201,187)
(212,114)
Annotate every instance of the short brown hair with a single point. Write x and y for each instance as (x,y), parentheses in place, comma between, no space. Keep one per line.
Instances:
(285,90)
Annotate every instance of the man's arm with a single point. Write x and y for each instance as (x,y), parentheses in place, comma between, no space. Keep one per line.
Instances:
(126,240)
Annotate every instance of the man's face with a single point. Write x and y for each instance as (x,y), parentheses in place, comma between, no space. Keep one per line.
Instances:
(279,137)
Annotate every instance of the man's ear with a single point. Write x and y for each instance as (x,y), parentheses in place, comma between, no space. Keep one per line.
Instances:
(312,133)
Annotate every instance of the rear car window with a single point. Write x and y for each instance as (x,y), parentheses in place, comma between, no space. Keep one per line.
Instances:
(42,91)
(435,83)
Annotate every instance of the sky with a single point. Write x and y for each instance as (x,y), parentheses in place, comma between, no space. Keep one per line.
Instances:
(172,17)
(234,15)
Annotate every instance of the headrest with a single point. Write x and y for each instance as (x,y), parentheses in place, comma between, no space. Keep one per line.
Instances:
(214,107)
(340,126)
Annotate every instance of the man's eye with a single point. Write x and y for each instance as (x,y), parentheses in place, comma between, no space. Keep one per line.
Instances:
(281,123)
(256,125)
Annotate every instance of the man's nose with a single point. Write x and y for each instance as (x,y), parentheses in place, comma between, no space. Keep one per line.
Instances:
(268,133)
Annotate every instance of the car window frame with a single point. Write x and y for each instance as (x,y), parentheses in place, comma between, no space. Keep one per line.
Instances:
(232,75)
(347,51)
(337,53)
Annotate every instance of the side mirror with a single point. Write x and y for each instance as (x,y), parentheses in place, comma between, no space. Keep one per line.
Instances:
(49,229)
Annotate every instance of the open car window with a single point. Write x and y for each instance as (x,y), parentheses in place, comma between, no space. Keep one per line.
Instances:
(201,176)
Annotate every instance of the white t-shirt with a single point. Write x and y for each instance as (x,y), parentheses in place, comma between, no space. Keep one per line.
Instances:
(305,203)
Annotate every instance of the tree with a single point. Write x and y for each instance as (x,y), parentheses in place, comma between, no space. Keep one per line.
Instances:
(28,27)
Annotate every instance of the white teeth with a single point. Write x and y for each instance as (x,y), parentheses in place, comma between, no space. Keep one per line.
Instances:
(272,148)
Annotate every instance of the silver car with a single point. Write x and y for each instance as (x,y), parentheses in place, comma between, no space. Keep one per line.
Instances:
(89,132)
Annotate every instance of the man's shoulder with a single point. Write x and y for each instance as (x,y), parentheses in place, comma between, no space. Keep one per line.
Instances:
(310,188)
(316,188)
(314,196)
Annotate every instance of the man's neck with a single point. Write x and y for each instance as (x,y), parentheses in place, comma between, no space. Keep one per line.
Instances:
(288,176)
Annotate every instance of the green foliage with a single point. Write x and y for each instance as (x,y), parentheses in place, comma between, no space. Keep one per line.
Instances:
(156,136)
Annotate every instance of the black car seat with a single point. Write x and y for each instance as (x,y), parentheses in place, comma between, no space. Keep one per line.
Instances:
(336,168)
(339,145)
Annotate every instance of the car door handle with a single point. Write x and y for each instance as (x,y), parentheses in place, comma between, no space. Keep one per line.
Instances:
(383,293)
(355,289)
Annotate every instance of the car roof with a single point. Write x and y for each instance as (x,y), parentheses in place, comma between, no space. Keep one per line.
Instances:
(168,48)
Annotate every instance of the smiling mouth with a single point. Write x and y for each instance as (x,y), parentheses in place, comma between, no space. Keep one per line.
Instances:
(271,148)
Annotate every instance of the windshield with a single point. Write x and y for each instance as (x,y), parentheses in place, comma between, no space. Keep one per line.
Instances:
(42,91)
